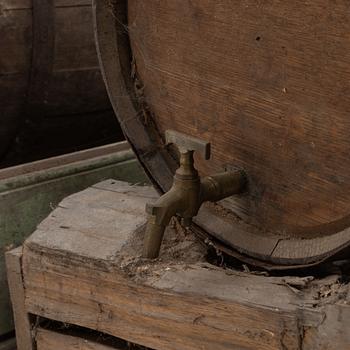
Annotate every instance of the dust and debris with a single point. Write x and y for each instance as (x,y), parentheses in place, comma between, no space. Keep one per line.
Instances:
(298,282)
(247,269)
(329,290)
(316,287)
(179,245)
(144,111)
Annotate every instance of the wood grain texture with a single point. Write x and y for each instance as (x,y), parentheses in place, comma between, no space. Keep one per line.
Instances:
(267,83)
(89,273)
(28,194)
(76,83)
(158,77)
(15,279)
(157,319)
(43,52)
(16,39)
(21,5)
(114,58)
(15,58)
(334,328)
(48,63)
(50,340)
(58,161)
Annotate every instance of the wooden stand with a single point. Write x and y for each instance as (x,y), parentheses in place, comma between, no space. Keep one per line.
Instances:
(28,193)
(82,267)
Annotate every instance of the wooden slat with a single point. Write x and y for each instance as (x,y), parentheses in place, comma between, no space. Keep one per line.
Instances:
(274,248)
(15,281)
(159,319)
(16,38)
(75,45)
(50,340)
(66,99)
(62,160)
(72,3)
(8,5)
(14,5)
(43,52)
(115,65)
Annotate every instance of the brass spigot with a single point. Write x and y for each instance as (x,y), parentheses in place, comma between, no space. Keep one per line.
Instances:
(188,191)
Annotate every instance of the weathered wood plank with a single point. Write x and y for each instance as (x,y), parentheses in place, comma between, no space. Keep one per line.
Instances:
(333,333)
(48,163)
(17,5)
(160,319)
(49,340)
(43,53)
(66,99)
(28,195)
(89,273)
(16,38)
(75,42)
(15,280)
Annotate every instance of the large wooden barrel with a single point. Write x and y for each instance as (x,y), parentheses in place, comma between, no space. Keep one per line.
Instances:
(48,62)
(268,84)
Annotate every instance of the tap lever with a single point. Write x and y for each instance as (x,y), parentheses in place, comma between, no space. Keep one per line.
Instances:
(186,143)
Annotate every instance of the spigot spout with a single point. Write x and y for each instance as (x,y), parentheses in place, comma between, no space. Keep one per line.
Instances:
(153,238)
(187,193)
(160,214)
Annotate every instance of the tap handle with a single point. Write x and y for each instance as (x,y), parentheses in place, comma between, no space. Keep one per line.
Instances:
(186,143)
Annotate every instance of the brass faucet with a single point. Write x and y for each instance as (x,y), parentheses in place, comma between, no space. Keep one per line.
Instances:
(188,191)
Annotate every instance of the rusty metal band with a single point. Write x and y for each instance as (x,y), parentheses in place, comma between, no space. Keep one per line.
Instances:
(43,50)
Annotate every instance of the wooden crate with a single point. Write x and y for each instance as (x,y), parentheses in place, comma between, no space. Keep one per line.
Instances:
(28,193)
(82,267)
